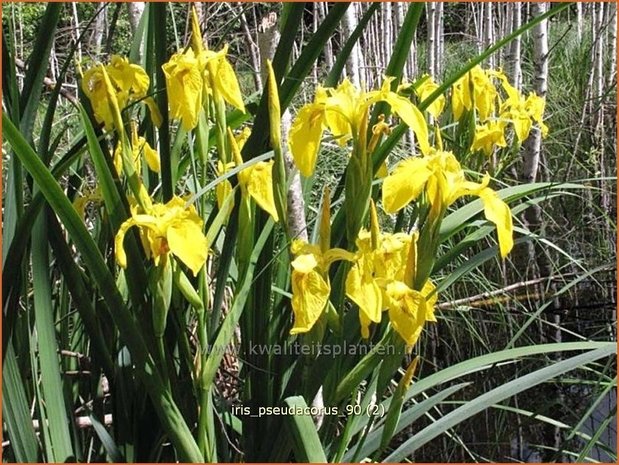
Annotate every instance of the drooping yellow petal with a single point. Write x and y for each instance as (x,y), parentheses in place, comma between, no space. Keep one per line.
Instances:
(155,114)
(226,82)
(363,290)
(119,247)
(407,311)
(310,293)
(431,296)
(364,323)
(165,228)
(484,92)
(187,242)
(184,85)
(151,156)
(304,138)
(425,89)
(405,183)
(260,186)
(498,212)
(336,254)
(343,110)
(522,125)
(489,135)
(412,117)
(93,86)
(128,77)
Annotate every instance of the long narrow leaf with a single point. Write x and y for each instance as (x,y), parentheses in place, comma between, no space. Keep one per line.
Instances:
(496,395)
(167,410)
(307,446)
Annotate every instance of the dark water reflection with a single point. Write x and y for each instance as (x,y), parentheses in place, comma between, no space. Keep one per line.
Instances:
(501,435)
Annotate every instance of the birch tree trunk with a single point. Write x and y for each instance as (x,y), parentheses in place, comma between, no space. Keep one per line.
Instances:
(268,39)
(349,23)
(612,40)
(579,20)
(533,215)
(488,37)
(254,51)
(99,27)
(439,38)
(76,31)
(135,9)
(431,54)
(322,13)
(513,58)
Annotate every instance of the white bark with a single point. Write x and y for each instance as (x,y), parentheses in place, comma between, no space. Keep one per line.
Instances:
(387,35)
(268,39)
(579,20)
(513,64)
(438,36)
(431,53)
(254,51)
(488,37)
(349,23)
(612,41)
(99,28)
(323,10)
(76,32)
(135,9)
(532,145)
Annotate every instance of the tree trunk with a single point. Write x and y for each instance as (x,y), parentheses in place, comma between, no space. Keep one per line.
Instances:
(579,20)
(488,37)
(135,9)
(612,40)
(99,28)
(513,59)
(267,40)
(438,36)
(323,10)
(431,21)
(349,23)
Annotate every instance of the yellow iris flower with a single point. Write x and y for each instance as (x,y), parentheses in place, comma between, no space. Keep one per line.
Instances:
(489,135)
(88,196)
(425,89)
(256,180)
(342,110)
(374,267)
(441,175)
(474,90)
(410,309)
(139,147)
(196,73)
(129,83)
(167,228)
(184,84)
(377,281)
(310,282)
(521,111)
(190,76)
